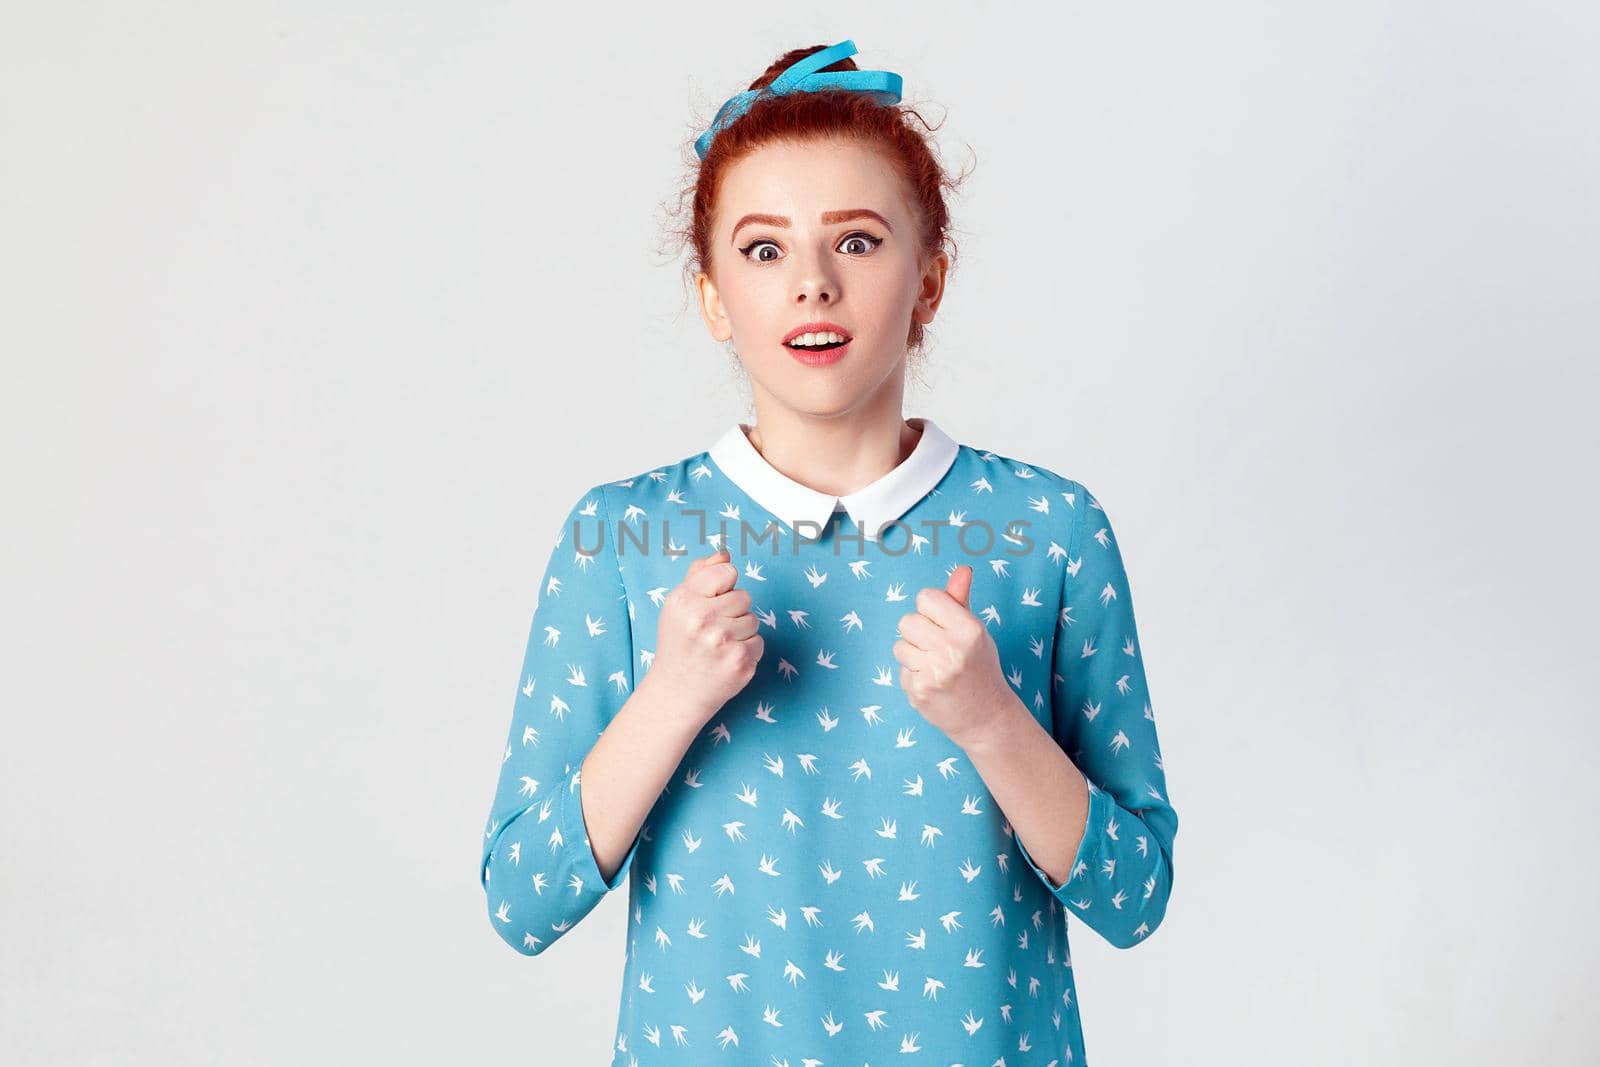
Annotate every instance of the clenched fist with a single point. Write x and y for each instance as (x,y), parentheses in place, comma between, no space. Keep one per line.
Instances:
(707,646)
(949,666)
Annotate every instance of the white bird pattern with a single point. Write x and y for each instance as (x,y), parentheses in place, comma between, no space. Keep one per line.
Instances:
(788,804)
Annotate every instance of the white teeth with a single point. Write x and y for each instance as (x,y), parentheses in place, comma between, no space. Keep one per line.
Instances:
(818,339)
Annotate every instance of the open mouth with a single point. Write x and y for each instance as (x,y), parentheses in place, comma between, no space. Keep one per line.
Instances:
(825,346)
(818,336)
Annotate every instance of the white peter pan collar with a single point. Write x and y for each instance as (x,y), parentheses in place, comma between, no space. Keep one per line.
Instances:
(871,506)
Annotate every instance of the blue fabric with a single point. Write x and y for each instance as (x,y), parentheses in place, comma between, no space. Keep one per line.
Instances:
(826,877)
(806,75)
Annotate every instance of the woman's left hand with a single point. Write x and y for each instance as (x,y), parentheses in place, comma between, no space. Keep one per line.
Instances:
(949,666)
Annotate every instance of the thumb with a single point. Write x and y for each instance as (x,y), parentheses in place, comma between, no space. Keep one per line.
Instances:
(959,585)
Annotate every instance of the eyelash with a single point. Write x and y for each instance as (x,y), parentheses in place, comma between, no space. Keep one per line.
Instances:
(745,251)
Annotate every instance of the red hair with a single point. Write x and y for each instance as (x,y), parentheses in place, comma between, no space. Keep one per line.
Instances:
(800,116)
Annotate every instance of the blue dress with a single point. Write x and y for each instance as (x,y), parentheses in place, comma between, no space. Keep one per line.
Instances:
(826,879)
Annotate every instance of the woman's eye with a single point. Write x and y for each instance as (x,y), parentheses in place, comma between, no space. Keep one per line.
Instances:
(758,258)
(856,244)
(863,241)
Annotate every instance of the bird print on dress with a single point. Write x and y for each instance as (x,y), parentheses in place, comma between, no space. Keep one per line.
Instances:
(826,879)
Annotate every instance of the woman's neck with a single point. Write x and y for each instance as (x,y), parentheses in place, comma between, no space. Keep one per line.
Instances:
(836,455)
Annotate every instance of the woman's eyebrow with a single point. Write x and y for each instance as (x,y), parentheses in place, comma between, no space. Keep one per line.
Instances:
(828,218)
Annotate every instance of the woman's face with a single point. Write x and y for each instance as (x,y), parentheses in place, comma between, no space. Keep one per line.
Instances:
(818,232)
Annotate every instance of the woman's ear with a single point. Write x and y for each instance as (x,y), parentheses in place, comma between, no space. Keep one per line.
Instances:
(711,309)
(931,290)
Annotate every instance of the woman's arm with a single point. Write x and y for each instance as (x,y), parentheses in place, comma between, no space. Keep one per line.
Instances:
(1044,796)
(590,752)
(538,870)
(629,766)
(1092,803)
(708,644)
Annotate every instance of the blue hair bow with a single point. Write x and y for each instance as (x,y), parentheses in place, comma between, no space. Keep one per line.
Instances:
(806,76)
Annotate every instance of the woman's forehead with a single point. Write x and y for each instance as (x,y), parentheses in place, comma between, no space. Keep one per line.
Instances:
(803,180)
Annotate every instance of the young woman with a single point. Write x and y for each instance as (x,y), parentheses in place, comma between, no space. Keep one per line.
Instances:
(860,708)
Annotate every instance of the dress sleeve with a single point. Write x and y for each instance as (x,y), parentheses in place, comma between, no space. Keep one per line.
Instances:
(538,869)
(1120,880)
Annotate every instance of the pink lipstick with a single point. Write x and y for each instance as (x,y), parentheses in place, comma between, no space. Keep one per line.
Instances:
(818,355)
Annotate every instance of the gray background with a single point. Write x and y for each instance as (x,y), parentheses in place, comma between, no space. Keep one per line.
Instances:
(316,318)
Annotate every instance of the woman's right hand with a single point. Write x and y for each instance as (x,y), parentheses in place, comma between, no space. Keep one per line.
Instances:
(707,644)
